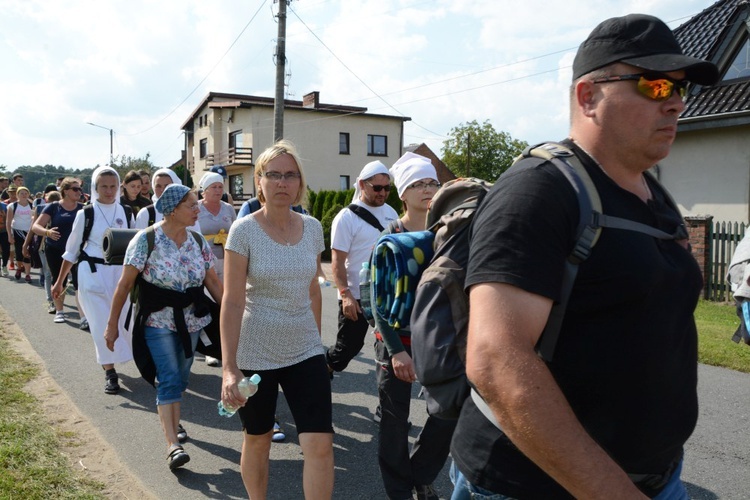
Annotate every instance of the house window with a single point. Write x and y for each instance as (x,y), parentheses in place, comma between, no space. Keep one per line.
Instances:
(203,148)
(344,143)
(343,182)
(235,185)
(235,139)
(740,67)
(377,145)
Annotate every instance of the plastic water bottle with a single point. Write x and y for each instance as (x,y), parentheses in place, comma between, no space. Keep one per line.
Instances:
(365,297)
(324,283)
(248,386)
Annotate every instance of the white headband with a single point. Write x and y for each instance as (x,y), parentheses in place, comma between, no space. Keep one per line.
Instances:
(411,168)
(370,170)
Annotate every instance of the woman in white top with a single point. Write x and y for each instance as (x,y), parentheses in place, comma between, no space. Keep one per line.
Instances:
(270,325)
(97,281)
(215,217)
(18,226)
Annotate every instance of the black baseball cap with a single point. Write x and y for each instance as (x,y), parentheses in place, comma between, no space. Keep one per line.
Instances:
(642,41)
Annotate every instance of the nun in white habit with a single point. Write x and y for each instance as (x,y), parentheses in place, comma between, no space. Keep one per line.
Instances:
(158,184)
(96,280)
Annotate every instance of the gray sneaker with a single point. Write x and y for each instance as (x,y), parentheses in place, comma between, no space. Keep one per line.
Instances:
(51,308)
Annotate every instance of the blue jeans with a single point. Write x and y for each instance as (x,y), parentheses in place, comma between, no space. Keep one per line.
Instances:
(172,367)
(464,490)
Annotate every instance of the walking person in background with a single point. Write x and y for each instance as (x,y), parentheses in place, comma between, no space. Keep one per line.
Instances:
(56,223)
(4,244)
(96,279)
(18,225)
(131,192)
(37,241)
(270,325)
(145,183)
(609,415)
(171,307)
(215,218)
(150,215)
(354,232)
(402,472)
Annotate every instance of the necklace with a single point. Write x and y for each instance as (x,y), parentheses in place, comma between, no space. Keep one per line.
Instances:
(114,213)
(278,232)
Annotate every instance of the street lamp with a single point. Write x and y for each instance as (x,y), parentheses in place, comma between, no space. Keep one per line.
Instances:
(111,134)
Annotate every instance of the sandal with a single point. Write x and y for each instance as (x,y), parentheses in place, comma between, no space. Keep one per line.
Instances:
(181,433)
(177,458)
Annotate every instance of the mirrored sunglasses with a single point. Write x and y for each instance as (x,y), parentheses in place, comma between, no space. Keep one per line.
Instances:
(378,189)
(655,86)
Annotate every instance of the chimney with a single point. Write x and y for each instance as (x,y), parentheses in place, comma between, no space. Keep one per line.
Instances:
(311,100)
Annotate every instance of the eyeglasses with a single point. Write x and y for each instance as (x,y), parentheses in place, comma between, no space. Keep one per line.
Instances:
(378,189)
(192,206)
(277,176)
(425,185)
(76,189)
(655,86)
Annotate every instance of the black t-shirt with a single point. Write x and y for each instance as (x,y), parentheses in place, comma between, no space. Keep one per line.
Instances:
(137,204)
(61,219)
(626,358)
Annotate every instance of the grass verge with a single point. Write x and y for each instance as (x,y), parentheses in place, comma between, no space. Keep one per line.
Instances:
(31,462)
(716,324)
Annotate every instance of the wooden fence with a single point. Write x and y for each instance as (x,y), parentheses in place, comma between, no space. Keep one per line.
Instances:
(723,240)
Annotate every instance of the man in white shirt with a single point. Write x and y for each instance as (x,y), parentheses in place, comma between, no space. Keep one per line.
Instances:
(352,240)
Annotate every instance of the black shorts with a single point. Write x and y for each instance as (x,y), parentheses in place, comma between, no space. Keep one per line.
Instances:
(307,388)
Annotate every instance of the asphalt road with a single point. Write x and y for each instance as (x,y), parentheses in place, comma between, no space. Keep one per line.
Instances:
(717,461)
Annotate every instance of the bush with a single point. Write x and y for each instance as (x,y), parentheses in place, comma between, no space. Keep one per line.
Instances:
(327,222)
(320,198)
(394,201)
(311,195)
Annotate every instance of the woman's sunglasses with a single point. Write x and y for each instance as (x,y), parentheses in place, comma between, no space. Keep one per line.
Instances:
(655,86)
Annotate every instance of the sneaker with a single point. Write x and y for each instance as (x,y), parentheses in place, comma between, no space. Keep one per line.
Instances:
(59,317)
(5,271)
(11,266)
(112,386)
(84,324)
(278,434)
(18,274)
(28,278)
(377,415)
(426,492)
(211,361)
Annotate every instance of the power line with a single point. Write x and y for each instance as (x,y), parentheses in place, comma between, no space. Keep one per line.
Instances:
(353,73)
(207,74)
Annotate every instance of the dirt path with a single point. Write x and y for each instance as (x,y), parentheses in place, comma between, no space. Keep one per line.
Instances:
(87,451)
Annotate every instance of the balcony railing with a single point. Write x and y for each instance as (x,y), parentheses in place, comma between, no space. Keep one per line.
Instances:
(231,156)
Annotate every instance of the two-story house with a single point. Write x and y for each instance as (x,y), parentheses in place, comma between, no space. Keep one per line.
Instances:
(334,141)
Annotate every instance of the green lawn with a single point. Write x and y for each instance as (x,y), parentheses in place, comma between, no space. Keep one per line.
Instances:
(31,462)
(717,323)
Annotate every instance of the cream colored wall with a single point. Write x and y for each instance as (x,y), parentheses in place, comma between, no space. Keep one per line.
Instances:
(316,136)
(708,173)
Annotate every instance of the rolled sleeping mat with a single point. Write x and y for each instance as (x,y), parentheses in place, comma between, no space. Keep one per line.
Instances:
(115,243)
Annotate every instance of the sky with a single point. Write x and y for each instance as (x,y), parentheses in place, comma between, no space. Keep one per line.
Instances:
(141,67)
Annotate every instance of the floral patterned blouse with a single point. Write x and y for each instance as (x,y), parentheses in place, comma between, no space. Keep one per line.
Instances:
(172,268)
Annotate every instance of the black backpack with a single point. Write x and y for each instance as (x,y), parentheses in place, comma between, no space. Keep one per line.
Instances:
(439,321)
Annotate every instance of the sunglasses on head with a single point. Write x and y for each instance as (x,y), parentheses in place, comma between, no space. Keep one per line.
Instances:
(655,86)
(378,189)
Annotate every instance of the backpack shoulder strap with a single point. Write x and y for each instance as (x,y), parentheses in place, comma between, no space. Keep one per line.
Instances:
(253,205)
(151,214)
(128,213)
(150,240)
(88,223)
(366,216)
(197,238)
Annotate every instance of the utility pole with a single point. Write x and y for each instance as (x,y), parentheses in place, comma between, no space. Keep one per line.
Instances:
(468,154)
(111,140)
(278,103)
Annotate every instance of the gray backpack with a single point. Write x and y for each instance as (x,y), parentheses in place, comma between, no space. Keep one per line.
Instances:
(440,316)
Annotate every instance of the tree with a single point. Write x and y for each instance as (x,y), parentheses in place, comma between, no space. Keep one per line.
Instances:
(480,151)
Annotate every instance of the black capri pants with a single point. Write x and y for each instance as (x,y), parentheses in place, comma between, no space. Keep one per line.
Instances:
(307,388)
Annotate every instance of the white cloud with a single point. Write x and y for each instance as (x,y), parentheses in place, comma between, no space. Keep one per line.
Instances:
(127,65)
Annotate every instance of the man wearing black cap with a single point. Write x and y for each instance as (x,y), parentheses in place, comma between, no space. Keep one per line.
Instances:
(608,416)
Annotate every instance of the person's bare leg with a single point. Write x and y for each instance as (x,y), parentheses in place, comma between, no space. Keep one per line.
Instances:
(317,475)
(254,464)
(168,415)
